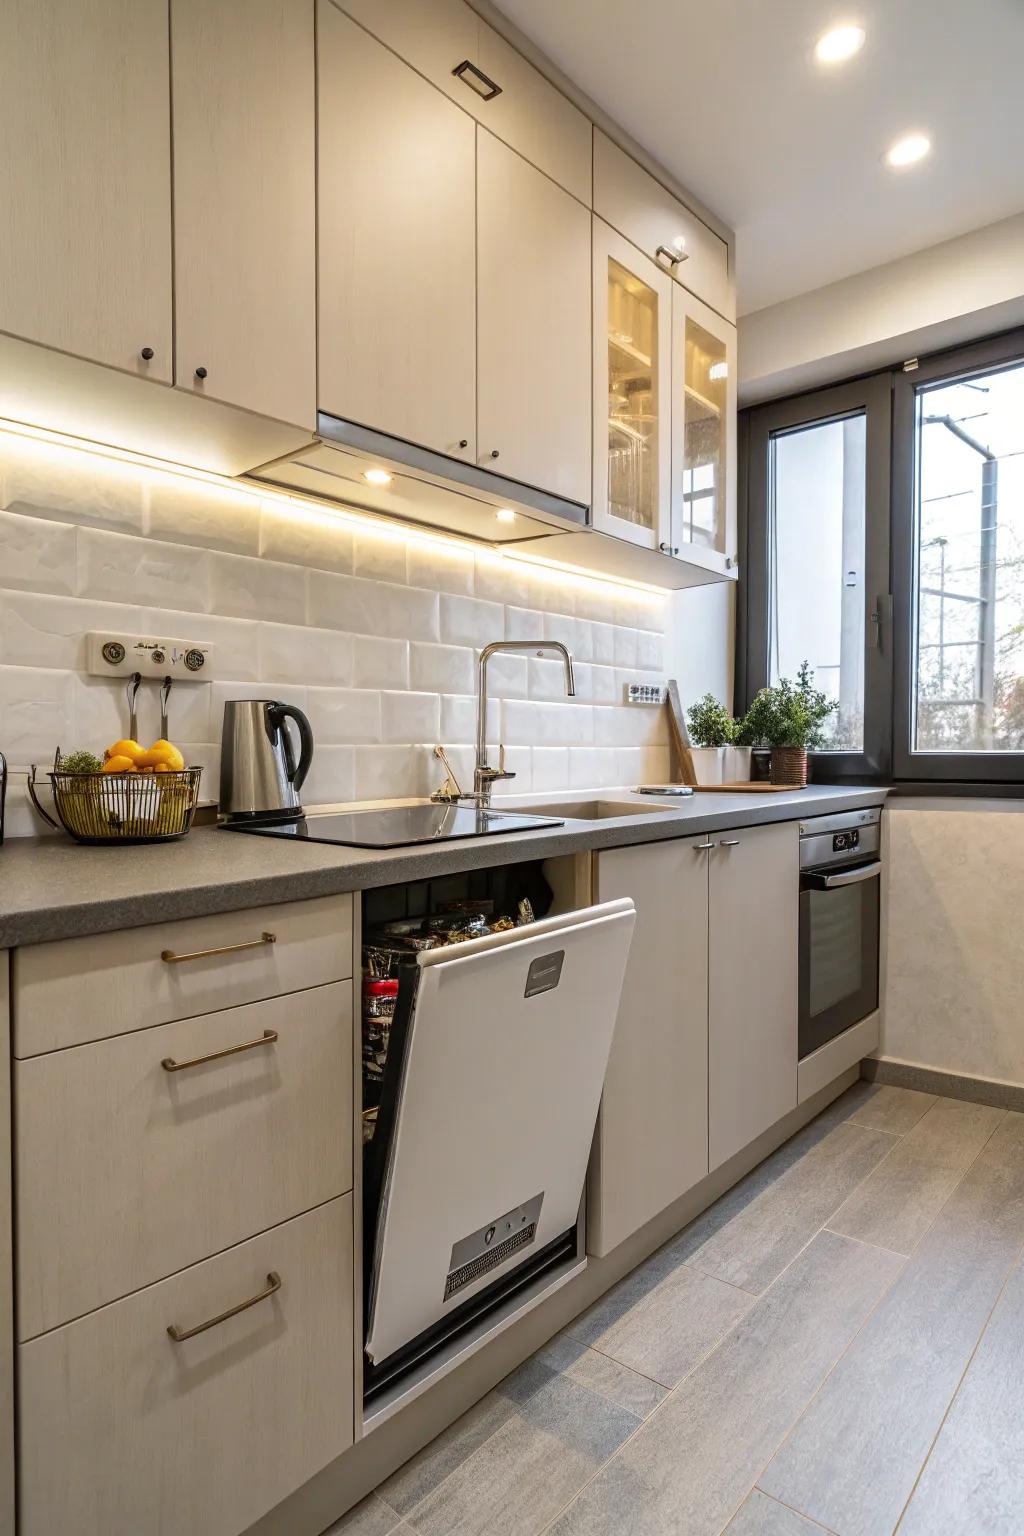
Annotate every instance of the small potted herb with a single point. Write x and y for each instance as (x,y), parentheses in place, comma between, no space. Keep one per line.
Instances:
(798,716)
(711,732)
(755,732)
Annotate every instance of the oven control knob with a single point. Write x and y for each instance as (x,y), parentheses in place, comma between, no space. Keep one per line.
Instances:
(489,1236)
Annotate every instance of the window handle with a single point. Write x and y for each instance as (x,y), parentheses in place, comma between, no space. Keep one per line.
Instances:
(877,619)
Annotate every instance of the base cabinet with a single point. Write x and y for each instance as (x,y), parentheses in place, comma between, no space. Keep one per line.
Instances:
(651,1144)
(127,1431)
(753,1000)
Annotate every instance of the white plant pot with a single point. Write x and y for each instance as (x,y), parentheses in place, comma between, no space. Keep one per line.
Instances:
(708,764)
(737,765)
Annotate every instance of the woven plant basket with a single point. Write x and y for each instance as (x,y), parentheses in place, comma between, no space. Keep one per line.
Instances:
(789,766)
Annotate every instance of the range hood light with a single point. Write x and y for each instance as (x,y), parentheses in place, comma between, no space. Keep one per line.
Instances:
(505,515)
(377,477)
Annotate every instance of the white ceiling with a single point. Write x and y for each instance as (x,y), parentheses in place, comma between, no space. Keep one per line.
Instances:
(727,95)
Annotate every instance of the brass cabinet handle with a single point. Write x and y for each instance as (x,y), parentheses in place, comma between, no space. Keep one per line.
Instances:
(268,1037)
(482,84)
(170,958)
(179,1335)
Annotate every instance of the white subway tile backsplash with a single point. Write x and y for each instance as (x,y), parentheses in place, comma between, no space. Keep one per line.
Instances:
(410,716)
(344,715)
(290,654)
(117,568)
(379,663)
(305,536)
(208,515)
(441,668)
(36,714)
(470,620)
(375,636)
(37,556)
(246,588)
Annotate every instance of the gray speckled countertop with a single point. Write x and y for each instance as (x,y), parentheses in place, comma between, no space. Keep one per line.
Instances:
(52,888)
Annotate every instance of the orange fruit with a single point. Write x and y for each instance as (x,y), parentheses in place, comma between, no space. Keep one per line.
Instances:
(125,748)
(121,763)
(162,752)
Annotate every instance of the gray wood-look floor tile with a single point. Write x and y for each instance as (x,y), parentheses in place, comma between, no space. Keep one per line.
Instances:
(688,1468)
(759,1515)
(662,1319)
(973,1482)
(370,1518)
(556,1437)
(444,1455)
(886,1108)
(898,1201)
(757,1243)
(603,1375)
(852,1460)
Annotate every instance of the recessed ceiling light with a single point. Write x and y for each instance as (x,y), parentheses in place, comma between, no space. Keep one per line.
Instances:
(908,150)
(505,515)
(839,44)
(377,477)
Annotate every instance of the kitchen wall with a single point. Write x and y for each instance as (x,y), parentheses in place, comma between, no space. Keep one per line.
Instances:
(955,957)
(373,633)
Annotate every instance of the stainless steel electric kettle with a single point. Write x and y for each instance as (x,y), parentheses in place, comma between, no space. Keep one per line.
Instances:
(260,777)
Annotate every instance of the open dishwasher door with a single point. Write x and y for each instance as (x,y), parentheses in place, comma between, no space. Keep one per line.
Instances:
(505,1054)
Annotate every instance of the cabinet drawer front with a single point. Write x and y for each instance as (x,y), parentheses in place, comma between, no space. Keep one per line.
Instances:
(125,1432)
(641,209)
(77,990)
(130,1169)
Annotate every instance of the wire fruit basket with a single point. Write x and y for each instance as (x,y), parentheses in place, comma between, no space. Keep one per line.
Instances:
(121,808)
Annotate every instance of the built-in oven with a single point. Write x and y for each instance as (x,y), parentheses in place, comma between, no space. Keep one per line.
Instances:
(839,919)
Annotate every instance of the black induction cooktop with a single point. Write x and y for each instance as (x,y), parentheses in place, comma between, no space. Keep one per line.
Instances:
(399,826)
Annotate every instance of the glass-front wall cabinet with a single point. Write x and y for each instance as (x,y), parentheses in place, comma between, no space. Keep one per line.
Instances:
(703,433)
(632,352)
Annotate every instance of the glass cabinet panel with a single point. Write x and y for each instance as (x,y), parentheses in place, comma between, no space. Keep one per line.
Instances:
(705,380)
(632,398)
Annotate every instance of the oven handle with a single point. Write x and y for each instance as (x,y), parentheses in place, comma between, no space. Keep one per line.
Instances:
(816,882)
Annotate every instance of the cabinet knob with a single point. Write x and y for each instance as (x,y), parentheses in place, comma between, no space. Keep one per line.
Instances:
(200,373)
(494,453)
(146,354)
(463,442)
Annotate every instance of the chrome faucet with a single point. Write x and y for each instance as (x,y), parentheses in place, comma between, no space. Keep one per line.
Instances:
(484,776)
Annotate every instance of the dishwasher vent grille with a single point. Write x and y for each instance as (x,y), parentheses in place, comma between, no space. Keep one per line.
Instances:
(467,1273)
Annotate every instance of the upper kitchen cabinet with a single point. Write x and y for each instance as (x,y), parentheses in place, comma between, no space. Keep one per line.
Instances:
(703,517)
(533,317)
(641,209)
(244,203)
(632,392)
(464,57)
(85,180)
(397,245)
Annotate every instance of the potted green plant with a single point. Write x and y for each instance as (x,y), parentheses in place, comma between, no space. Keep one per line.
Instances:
(798,714)
(711,731)
(754,732)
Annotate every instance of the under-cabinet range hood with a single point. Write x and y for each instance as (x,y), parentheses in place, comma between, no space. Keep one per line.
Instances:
(349,464)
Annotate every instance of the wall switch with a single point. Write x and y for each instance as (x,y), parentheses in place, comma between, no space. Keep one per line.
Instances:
(646,693)
(113,655)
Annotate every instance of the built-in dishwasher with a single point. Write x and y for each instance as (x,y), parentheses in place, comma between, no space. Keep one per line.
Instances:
(486,1034)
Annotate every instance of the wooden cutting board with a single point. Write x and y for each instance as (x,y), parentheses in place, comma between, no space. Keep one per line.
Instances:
(746,787)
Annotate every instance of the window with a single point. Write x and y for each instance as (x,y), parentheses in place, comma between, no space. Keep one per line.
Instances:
(924,655)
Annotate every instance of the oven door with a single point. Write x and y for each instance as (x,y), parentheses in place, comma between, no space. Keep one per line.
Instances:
(838,951)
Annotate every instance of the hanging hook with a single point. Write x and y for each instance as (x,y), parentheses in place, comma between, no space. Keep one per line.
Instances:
(165,694)
(132,693)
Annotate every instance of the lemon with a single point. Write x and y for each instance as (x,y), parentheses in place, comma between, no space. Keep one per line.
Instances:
(125,748)
(120,763)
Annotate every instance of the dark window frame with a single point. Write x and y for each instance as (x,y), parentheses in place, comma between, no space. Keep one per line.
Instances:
(891,496)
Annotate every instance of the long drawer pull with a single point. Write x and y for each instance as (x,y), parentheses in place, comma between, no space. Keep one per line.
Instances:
(170,958)
(169,1064)
(179,1335)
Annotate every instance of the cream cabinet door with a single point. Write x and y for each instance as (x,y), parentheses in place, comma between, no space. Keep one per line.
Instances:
(85,179)
(533,319)
(703,436)
(652,1133)
(396,252)
(753,975)
(632,341)
(245,204)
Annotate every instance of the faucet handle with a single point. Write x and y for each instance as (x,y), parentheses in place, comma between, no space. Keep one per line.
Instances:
(501,772)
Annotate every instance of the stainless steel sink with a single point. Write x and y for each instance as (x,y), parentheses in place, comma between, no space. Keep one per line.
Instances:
(594,810)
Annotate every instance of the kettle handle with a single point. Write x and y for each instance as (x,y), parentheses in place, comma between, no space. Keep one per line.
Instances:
(278,714)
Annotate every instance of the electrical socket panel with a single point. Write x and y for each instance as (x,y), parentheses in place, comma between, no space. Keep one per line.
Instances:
(114,655)
(646,693)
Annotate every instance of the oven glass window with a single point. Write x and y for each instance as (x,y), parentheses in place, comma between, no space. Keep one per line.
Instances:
(837,947)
